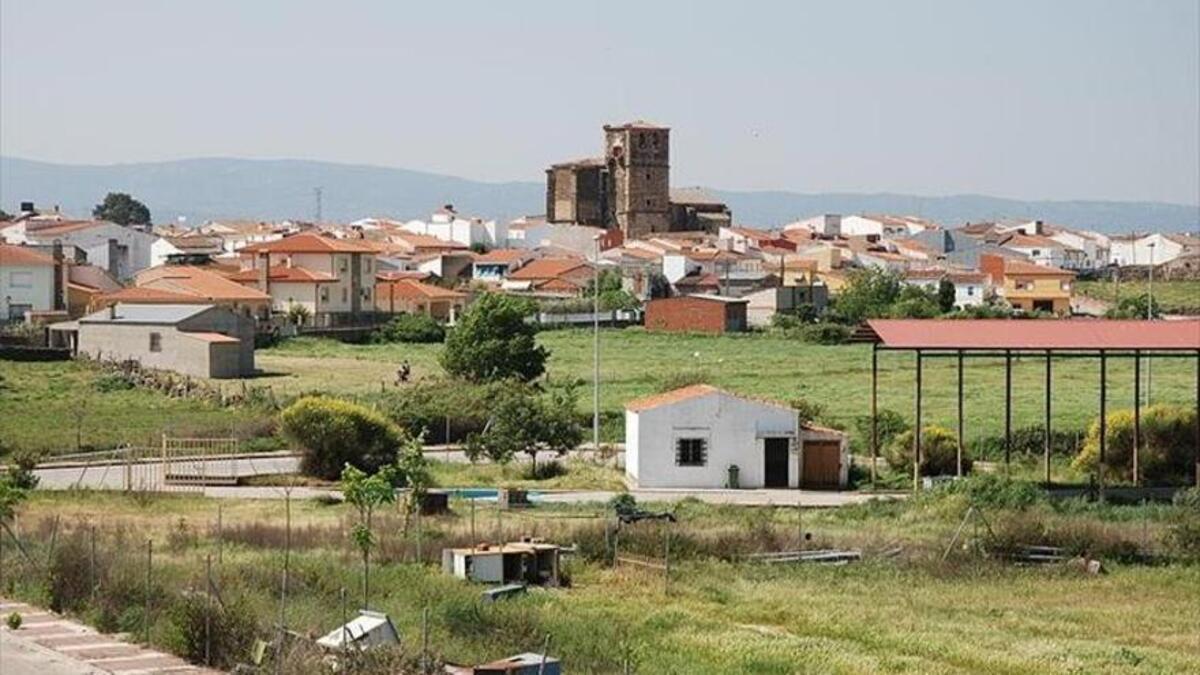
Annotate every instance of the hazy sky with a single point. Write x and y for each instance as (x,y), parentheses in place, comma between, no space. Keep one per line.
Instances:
(1059,100)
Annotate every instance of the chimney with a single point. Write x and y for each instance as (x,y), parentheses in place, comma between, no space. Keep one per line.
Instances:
(264,272)
(60,276)
(113,263)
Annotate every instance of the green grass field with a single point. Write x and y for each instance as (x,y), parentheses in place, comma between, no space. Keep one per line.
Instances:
(37,399)
(44,405)
(635,363)
(908,614)
(1175,297)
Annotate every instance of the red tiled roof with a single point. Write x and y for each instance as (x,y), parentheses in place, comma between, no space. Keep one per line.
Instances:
(23,256)
(502,255)
(673,396)
(285,274)
(142,294)
(197,281)
(307,242)
(415,290)
(63,227)
(547,268)
(1022,267)
(1086,334)
(396,275)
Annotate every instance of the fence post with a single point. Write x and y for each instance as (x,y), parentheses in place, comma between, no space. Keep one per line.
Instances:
(149,567)
(425,640)
(345,620)
(208,610)
(667,558)
(91,566)
(220,536)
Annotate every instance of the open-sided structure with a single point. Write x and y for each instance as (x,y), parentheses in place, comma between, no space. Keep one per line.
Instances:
(1102,340)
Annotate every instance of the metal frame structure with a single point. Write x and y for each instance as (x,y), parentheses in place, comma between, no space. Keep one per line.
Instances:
(1144,346)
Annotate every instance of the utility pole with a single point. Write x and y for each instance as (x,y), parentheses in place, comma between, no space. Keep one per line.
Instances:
(317,199)
(1149,315)
(596,349)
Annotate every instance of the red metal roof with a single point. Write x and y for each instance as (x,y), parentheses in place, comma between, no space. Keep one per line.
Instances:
(1085,334)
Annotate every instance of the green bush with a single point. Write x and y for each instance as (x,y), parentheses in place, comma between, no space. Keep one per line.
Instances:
(1166,450)
(889,424)
(333,433)
(222,631)
(939,452)
(994,491)
(418,328)
(112,382)
(806,410)
(825,334)
(14,621)
(1028,440)
(441,410)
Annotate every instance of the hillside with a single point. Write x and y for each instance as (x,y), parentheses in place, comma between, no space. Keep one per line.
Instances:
(202,189)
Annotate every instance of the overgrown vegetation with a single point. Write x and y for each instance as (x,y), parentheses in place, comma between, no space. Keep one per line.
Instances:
(334,434)
(418,328)
(1166,451)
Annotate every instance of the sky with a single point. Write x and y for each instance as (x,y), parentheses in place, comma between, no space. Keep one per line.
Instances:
(1071,99)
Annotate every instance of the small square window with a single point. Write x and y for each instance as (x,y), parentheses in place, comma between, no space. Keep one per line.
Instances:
(691,451)
(345,294)
(156,342)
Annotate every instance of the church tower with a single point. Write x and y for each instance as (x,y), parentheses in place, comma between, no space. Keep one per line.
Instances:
(637,155)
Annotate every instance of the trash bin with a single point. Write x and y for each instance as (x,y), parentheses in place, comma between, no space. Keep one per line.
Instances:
(733,477)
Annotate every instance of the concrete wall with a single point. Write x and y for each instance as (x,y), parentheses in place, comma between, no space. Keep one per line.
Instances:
(735,428)
(180,351)
(31,285)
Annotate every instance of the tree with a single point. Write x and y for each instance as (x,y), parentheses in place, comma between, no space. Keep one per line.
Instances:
(335,433)
(524,420)
(494,342)
(418,328)
(914,302)
(1134,307)
(122,209)
(366,492)
(1164,451)
(946,295)
(612,293)
(5,216)
(868,294)
(939,452)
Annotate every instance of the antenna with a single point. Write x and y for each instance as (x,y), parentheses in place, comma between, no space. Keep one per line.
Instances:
(317,197)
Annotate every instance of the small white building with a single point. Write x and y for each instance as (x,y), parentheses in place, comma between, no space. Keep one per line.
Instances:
(369,629)
(699,436)
(970,288)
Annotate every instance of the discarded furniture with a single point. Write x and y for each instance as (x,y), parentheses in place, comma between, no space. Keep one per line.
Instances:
(530,561)
(366,631)
(521,664)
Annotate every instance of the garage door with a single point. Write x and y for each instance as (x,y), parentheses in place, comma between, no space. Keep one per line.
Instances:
(822,465)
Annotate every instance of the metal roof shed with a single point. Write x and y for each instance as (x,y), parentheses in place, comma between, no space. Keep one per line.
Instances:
(367,630)
(1051,339)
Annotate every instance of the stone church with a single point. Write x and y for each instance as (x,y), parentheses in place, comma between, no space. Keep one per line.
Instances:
(629,188)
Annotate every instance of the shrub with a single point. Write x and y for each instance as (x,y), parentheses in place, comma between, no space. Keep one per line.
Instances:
(71,575)
(20,471)
(1188,500)
(889,424)
(1168,434)
(546,470)
(683,378)
(441,411)
(14,621)
(334,433)
(112,382)
(939,452)
(224,631)
(825,334)
(410,328)
(994,491)
(806,410)
(1028,440)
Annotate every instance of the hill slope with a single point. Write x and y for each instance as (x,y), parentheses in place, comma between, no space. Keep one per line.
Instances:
(201,189)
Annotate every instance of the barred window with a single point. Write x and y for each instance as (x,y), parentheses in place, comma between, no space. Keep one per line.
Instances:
(156,342)
(691,451)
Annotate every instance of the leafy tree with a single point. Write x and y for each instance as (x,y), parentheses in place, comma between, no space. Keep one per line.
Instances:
(335,433)
(524,420)
(367,492)
(806,410)
(868,294)
(5,216)
(946,295)
(297,314)
(122,209)
(915,302)
(494,342)
(658,286)
(1165,451)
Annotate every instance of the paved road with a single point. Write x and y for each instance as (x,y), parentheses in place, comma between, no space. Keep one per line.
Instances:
(114,477)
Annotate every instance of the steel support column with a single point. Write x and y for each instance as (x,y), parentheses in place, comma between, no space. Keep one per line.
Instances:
(1007,410)
(1137,416)
(959,467)
(917,430)
(1103,421)
(1049,432)
(1197,447)
(874,410)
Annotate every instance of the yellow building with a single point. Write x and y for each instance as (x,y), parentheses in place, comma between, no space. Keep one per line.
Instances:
(1029,287)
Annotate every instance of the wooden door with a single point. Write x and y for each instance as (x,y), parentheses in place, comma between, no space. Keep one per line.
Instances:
(822,465)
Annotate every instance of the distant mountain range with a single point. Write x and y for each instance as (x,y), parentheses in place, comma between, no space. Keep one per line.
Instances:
(204,189)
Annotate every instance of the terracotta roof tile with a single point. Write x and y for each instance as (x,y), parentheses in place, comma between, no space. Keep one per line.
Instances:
(307,242)
(547,268)
(23,256)
(415,290)
(285,274)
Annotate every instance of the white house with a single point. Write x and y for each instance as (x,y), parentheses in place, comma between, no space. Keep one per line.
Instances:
(882,225)
(27,282)
(825,225)
(447,225)
(1044,251)
(122,250)
(700,437)
(1095,246)
(970,288)
(1146,249)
